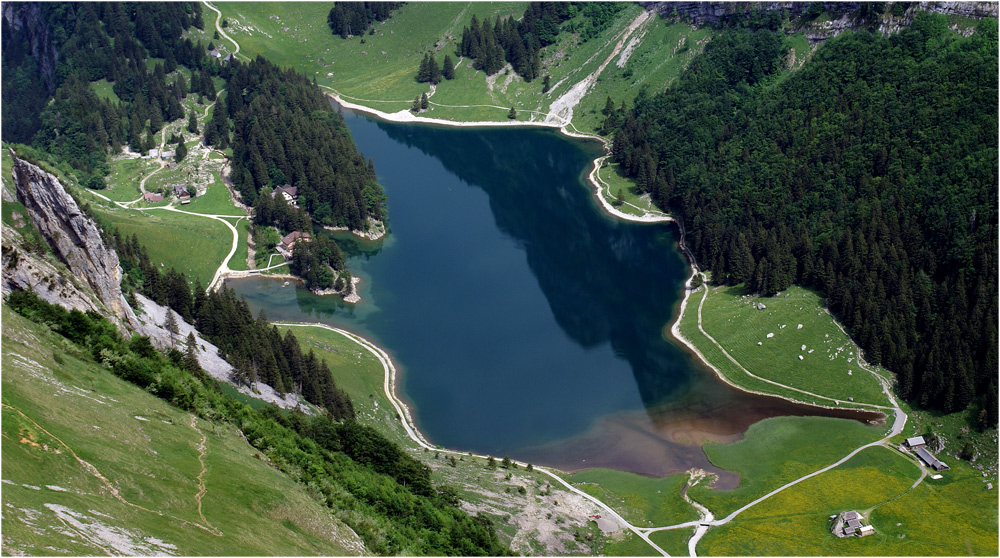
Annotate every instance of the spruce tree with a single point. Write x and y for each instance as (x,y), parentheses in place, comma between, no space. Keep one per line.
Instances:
(181,152)
(192,123)
(190,355)
(416,104)
(609,107)
(448,70)
(424,102)
(433,71)
(171,326)
(423,74)
(512,114)
(545,84)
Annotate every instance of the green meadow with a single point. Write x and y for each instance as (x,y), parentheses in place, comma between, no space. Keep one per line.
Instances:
(776,451)
(190,244)
(643,501)
(123,182)
(674,541)
(657,60)
(613,183)
(98,466)
(829,362)
(358,372)
(878,482)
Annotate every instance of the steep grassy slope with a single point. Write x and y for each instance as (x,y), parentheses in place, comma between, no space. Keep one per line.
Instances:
(93,465)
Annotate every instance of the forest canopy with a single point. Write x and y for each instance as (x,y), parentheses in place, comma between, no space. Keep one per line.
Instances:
(286,132)
(871,174)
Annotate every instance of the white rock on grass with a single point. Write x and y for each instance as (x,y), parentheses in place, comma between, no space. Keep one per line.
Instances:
(850,373)
(799,326)
(800,357)
(770,335)
(803,348)
(759,343)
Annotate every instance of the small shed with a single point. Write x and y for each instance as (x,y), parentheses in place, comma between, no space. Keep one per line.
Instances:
(152,197)
(166,155)
(154,153)
(760,306)
(866,530)
(916,442)
(181,192)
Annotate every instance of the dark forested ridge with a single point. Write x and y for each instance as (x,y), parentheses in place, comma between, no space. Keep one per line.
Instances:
(871,173)
(285,131)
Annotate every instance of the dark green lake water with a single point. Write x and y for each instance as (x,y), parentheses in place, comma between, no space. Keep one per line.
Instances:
(524,321)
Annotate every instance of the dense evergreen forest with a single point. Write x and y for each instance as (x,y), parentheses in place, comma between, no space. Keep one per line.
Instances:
(871,174)
(371,484)
(286,132)
(100,41)
(354,18)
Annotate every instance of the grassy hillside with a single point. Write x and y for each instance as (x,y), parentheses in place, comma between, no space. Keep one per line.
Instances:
(380,72)
(94,465)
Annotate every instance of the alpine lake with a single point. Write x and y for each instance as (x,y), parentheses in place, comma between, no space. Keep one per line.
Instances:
(522,319)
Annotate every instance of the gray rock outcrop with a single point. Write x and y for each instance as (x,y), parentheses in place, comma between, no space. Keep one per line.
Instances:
(74,237)
(26,270)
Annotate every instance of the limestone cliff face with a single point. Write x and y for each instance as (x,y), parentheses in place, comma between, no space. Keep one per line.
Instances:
(26,17)
(73,236)
(26,270)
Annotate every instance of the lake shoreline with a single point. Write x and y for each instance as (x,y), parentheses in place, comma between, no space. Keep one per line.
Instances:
(406,117)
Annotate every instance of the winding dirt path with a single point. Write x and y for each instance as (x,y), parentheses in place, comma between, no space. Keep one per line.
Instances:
(223,270)
(218,27)
(202,489)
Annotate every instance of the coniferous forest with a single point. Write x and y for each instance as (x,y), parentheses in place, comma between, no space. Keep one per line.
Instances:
(870,174)
(95,41)
(286,132)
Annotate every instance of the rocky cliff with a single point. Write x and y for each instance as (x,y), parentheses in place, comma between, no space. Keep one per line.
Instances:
(27,270)
(26,17)
(74,237)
